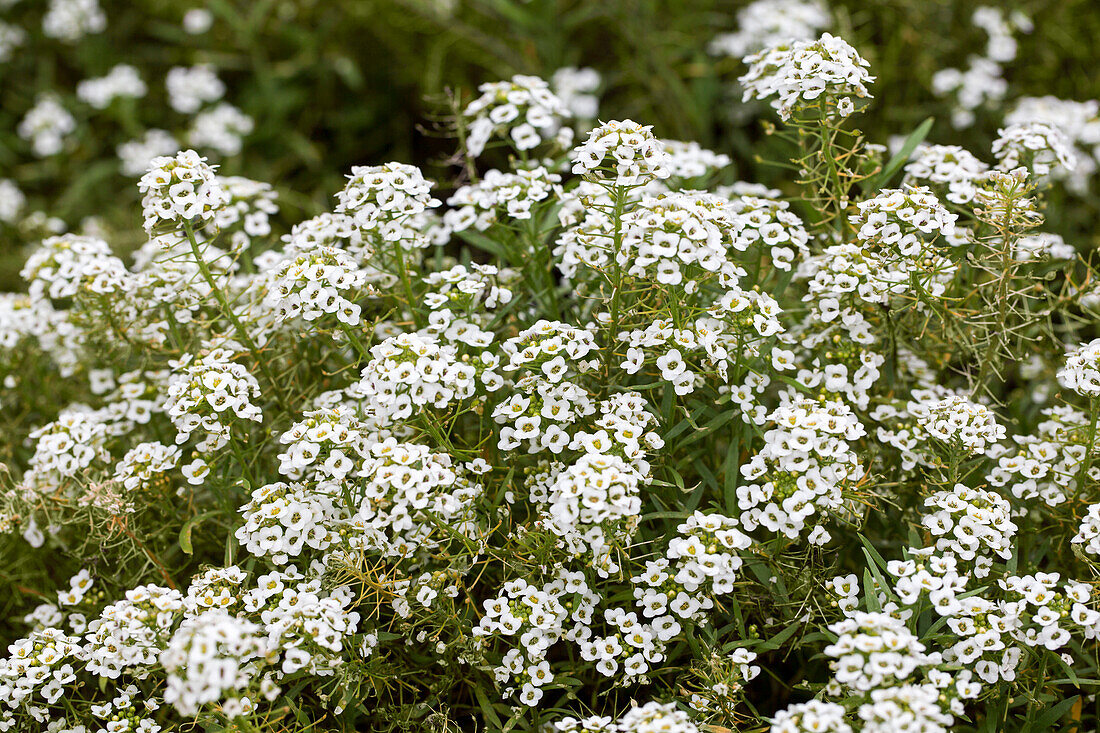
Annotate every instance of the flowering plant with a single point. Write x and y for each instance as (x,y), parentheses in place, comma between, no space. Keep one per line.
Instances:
(589,447)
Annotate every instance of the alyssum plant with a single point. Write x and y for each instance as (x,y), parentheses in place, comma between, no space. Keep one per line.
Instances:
(652,454)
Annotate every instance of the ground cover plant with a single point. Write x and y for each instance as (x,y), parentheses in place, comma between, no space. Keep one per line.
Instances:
(590,434)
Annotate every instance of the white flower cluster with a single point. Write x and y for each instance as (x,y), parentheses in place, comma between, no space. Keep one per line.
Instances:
(386,200)
(71,20)
(12,201)
(1042,149)
(1000,25)
(124,714)
(687,160)
(980,85)
(802,76)
(1043,246)
(1081,372)
(521,110)
(206,392)
(61,265)
(11,38)
(121,81)
(550,349)
(46,125)
(905,707)
(180,189)
(765,23)
(1088,533)
(966,522)
(678,238)
(949,170)
(701,562)
(803,470)
(963,425)
(1047,463)
(38,669)
(766,222)
(136,155)
(1078,121)
(649,718)
(405,487)
(281,520)
(512,195)
(1038,614)
(631,646)
(210,656)
(130,633)
(593,505)
(248,213)
(305,625)
(315,284)
(408,373)
(142,465)
(538,617)
(69,445)
(875,650)
(814,716)
(905,220)
(189,88)
(622,154)
(221,128)
(577,89)
(844,275)
(463,299)
(541,414)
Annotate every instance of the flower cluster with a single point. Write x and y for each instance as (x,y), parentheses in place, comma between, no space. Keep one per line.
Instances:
(523,111)
(1042,149)
(385,201)
(513,195)
(959,423)
(311,286)
(408,373)
(1081,372)
(970,521)
(190,88)
(123,81)
(212,658)
(46,126)
(765,23)
(949,170)
(178,190)
(221,128)
(816,78)
(206,392)
(622,154)
(805,466)
(905,220)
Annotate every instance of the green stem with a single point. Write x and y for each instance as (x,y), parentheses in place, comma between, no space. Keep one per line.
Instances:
(227,309)
(410,298)
(616,285)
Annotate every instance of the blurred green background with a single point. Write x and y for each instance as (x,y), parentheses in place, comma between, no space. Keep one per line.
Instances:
(333,83)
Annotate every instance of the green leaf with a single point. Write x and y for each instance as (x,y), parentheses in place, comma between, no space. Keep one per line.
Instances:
(1047,720)
(185,530)
(487,708)
(916,137)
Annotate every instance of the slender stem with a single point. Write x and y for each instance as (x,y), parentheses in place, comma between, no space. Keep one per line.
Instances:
(616,285)
(360,350)
(410,298)
(227,309)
